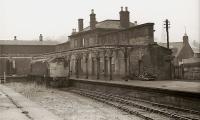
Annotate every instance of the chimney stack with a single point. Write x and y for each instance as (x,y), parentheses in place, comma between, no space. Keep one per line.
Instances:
(124,18)
(92,20)
(15,37)
(80,25)
(41,37)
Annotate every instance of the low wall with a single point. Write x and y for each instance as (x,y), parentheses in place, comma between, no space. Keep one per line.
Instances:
(181,99)
(16,79)
(49,81)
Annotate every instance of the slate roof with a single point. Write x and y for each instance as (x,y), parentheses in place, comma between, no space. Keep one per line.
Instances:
(108,24)
(175,46)
(191,60)
(27,42)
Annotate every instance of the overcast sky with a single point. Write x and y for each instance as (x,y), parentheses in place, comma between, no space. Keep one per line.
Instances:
(55,18)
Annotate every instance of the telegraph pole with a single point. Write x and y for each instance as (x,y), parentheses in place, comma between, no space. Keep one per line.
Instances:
(167,23)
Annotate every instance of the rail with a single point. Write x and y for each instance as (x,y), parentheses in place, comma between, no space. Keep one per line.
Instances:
(141,108)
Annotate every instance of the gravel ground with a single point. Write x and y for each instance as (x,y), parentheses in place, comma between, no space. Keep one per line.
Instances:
(69,106)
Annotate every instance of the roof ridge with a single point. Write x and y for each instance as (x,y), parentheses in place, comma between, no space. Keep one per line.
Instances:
(28,42)
(106,20)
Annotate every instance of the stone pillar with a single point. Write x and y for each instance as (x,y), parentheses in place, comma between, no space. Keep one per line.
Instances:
(178,69)
(69,68)
(125,62)
(110,62)
(129,64)
(98,67)
(86,63)
(182,70)
(105,66)
(77,74)
(139,66)
(92,66)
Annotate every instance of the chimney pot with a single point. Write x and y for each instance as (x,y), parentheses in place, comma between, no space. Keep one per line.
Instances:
(126,8)
(121,8)
(92,11)
(73,31)
(135,22)
(41,37)
(15,37)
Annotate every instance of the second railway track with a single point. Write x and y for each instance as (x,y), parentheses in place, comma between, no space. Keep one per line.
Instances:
(144,109)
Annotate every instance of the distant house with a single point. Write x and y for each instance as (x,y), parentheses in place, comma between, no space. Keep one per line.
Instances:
(191,67)
(15,55)
(196,46)
(181,50)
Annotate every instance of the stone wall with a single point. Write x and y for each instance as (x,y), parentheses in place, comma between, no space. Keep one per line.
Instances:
(138,35)
(3,66)
(21,55)
(87,39)
(21,66)
(63,47)
(27,49)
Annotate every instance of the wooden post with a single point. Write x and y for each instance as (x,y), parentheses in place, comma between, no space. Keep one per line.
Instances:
(167,23)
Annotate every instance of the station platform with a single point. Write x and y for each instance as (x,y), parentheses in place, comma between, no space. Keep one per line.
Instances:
(171,85)
(14,106)
(180,94)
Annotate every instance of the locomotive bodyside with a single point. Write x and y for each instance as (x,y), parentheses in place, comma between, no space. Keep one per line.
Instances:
(52,72)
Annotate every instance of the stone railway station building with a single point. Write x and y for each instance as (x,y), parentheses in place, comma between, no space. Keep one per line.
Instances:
(110,49)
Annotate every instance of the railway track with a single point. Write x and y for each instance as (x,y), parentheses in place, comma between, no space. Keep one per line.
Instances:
(141,108)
